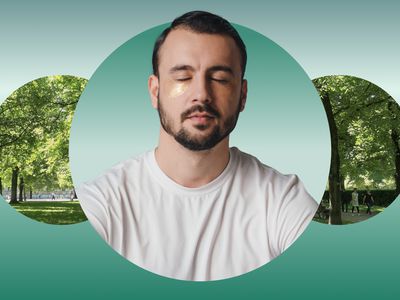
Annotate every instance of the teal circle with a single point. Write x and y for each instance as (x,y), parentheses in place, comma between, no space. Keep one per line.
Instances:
(284,123)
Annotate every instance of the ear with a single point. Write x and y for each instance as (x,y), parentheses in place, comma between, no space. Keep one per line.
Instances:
(243,95)
(153,87)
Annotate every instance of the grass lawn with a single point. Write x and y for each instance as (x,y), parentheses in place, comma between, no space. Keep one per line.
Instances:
(60,213)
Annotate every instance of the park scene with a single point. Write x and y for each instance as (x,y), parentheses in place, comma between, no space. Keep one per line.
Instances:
(364,176)
(35,123)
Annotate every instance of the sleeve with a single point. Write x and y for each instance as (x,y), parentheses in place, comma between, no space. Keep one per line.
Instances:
(95,207)
(296,210)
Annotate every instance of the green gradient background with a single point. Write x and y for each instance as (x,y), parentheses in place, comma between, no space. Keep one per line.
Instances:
(42,38)
(39,260)
(283,124)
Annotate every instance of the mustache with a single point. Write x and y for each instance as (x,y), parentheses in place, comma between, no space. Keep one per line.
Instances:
(200,108)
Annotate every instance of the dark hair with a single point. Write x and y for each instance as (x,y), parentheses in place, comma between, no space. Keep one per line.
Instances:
(201,22)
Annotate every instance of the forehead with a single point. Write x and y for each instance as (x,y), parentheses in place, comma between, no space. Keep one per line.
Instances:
(199,50)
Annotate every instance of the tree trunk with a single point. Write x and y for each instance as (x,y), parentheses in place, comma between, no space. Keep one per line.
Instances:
(30,192)
(395,139)
(393,108)
(1,187)
(21,189)
(14,185)
(342,187)
(335,216)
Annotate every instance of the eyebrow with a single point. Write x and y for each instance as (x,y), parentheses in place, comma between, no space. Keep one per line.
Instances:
(216,68)
(181,68)
(221,68)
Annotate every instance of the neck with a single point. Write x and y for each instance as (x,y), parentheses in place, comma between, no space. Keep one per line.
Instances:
(191,168)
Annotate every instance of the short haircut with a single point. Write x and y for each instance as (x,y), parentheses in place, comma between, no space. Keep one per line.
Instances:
(201,22)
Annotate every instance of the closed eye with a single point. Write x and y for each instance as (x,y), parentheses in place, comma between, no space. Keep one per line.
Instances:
(220,80)
(183,79)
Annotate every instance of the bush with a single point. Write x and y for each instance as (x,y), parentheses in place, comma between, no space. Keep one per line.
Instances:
(381,197)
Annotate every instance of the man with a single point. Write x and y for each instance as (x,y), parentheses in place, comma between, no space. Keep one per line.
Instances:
(195,209)
(345,202)
(368,201)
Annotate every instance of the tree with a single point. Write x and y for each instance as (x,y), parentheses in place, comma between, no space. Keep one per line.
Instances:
(14,183)
(365,139)
(1,187)
(394,112)
(35,122)
(334,178)
(21,189)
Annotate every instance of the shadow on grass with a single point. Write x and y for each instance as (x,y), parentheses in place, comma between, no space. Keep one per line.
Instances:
(58,213)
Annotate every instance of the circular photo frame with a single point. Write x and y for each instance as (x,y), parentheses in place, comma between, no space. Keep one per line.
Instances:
(283,125)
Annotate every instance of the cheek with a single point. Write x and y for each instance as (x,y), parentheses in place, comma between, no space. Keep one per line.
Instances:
(229,101)
(177,89)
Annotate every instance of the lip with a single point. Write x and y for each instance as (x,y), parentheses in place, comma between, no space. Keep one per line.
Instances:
(200,115)
(200,118)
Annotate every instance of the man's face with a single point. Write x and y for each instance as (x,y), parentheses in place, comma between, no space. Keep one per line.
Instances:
(199,92)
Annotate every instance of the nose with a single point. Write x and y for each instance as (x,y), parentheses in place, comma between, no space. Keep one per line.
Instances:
(201,90)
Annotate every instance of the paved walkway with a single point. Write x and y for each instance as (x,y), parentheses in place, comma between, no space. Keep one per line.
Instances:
(46,200)
(355,217)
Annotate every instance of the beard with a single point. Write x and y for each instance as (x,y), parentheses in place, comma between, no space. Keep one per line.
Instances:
(199,143)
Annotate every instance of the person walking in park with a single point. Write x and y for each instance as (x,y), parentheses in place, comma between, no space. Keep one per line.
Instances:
(354,201)
(53,197)
(368,201)
(345,203)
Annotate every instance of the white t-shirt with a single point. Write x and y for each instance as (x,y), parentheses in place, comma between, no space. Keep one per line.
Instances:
(238,222)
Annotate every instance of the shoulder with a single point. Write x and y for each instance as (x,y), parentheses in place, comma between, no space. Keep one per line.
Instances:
(104,196)
(255,170)
(108,185)
(288,206)
(282,193)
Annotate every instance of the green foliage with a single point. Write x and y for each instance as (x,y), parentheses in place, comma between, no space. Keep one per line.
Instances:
(35,123)
(365,116)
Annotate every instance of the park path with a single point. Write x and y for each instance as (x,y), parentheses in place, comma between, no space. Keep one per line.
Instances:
(349,217)
(44,200)
(48,200)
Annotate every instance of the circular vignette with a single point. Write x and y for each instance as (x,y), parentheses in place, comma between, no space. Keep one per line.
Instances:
(365,175)
(284,123)
(35,123)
